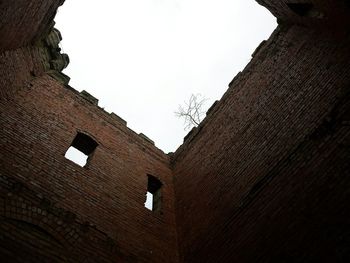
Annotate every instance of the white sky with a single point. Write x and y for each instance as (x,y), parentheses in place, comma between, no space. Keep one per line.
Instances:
(142,58)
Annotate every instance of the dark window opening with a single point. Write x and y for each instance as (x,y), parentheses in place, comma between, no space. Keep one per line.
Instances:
(301,9)
(153,196)
(81,149)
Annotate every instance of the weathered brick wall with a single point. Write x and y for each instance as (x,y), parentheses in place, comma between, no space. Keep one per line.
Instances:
(266,176)
(24,22)
(321,13)
(52,210)
(33,229)
(38,123)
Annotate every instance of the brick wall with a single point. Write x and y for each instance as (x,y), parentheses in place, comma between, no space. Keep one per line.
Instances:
(252,183)
(24,22)
(39,122)
(49,205)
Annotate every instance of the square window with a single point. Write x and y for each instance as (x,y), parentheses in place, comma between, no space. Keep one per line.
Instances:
(81,149)
(76,156)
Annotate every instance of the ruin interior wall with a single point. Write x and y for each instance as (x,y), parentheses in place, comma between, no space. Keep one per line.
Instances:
(264,177)
(93,213)
(39,122)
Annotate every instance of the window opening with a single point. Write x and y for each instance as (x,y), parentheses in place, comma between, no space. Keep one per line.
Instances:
(149,201)
(153,195)
(305,9)
(301,9)
(81,149)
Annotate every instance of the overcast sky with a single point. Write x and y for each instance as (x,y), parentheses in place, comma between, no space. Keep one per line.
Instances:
(142,58)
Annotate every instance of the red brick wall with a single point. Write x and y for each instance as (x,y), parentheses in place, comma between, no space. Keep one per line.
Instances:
(34,229)
(94,213)
(22,22)
(265,177)
(16,67)
(38,123)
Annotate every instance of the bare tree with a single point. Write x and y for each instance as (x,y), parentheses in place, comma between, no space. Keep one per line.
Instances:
(192,111)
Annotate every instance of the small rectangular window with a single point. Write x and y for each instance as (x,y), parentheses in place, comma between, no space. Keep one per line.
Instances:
(301,9)
(81,149)
(149,201)
(305,10)
(76,156)
(153,195)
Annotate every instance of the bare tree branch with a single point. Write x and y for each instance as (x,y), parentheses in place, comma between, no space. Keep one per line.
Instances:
(192,111)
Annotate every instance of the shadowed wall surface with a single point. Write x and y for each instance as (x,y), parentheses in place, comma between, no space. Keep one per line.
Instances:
(252,182)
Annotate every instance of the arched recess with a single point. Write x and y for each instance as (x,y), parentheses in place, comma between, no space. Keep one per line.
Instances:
(29,220)
(25,242)
(31,234)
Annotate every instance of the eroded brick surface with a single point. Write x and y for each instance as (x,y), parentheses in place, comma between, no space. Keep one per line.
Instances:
(111,190)
(252,182)
(24,22)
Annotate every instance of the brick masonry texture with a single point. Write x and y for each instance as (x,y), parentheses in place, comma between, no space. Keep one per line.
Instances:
(110,191)
(264,178)
(272,137)
(24,22)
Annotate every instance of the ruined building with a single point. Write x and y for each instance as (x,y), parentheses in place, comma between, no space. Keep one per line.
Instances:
(264,178)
